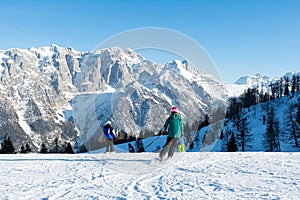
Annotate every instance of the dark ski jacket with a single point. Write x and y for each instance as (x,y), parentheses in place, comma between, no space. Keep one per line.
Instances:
(174,125)
(108,132)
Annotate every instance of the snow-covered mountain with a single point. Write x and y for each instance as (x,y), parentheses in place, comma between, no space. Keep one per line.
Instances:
(245,82)
(254,81)
(51,92)
(54,92)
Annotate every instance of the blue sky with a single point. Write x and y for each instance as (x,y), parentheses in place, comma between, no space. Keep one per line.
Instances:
(243,37)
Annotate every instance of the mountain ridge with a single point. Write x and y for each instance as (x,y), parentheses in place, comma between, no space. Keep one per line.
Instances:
(45,84)
(60,92)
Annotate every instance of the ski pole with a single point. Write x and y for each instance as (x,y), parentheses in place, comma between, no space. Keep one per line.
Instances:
(154,140)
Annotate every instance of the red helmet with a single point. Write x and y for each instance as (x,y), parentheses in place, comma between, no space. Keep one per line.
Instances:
(174,110)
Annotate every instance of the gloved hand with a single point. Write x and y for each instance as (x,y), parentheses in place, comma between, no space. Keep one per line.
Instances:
(111,129)
(160,132)
(166,132)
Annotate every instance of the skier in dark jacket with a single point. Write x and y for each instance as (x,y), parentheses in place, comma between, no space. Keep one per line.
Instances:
(109,137)
(174,127)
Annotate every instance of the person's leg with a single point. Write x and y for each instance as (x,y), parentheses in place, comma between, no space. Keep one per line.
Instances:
(112,147)
(107,145)
(180,148)
(174,143)
(165,148)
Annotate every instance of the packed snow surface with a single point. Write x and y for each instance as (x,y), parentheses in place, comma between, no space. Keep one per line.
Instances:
(195,175)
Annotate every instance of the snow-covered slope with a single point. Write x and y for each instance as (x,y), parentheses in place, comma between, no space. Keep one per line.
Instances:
(139,176)
(255,119)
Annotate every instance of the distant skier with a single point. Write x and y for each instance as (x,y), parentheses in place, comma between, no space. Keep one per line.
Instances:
(181,143)
(131,148)
(174,127)
(109,137)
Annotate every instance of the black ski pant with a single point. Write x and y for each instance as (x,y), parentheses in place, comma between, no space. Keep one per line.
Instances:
(169,147)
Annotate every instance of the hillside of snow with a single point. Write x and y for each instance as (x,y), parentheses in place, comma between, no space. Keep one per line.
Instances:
(255,119)
(140,176)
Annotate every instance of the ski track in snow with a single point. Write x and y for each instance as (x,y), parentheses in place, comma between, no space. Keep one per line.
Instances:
(139,176)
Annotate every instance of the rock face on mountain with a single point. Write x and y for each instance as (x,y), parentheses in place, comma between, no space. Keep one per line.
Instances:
(54,92)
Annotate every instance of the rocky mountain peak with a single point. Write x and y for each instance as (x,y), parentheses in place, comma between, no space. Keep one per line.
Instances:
(51,85)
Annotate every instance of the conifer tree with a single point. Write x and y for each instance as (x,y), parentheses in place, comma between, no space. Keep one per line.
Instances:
(7,146)
(266,97)
(286,87)
(294,80)
(280,87)
(234,108)
(243,133)
(232,146)
(298,114)
(295,125)
(271,137)
(22,149)
(43,148)
(298,82)
(27,148)
(278,147)
(56,147)
(69,148)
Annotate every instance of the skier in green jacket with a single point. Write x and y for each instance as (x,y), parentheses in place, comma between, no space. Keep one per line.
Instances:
(174,127)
